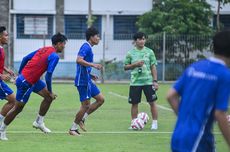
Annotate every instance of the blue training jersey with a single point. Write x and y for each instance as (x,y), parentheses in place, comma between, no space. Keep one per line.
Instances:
(82,72)
(203,87)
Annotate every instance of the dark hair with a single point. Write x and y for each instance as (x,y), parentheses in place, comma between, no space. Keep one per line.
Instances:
(2,29)
(58,38)
(92,31)
(221,43)
(139,35)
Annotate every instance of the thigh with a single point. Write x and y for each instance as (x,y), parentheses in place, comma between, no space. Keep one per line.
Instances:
(135,94)
(94,90)
(150,93)
(38,86)
(24,90)
(84,93)
(4,90)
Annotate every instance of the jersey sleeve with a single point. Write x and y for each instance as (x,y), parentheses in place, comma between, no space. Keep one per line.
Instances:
(153,60)
(25,60)
(223,94)
(180,83)
(52,62)
(128,59)
(83,51)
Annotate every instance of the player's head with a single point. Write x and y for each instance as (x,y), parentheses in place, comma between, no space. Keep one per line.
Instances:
(59,41)
(92,36)
(139,39)
(221,43)
(3,35)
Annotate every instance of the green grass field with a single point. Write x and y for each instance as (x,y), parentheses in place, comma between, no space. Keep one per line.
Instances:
(107,128)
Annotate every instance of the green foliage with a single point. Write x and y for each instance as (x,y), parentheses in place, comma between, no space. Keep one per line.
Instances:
(177,17)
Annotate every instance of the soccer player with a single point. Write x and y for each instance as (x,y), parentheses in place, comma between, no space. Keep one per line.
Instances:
(199,97)
(31,69)
(142,63)
(86,88)
(5,92)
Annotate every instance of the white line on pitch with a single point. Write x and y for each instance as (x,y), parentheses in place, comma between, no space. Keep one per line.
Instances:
(97,132)
(125,97)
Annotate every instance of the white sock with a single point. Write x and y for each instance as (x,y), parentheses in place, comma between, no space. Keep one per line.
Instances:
(154,122)
(3,127)
(74,126)
(39,119)
(1,117)
(85,116)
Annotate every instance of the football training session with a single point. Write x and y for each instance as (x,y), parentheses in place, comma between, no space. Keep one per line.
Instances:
(117,76)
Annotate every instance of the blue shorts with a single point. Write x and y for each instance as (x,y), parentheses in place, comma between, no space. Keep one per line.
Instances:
(24,89)
(86,92)
(4,90)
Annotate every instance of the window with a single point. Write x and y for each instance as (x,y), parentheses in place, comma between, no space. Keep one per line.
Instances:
(34,26)
(224,20)
(76,25)
(124,27)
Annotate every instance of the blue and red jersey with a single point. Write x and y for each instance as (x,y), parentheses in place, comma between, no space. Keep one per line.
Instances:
(2,59)
(38,62)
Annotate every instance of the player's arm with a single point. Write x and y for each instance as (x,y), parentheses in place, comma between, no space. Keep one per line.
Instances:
(9,71)
(221,118)
(173,98)
(132,66)
(52,62)
(25,60)
(154,75)
(80,60)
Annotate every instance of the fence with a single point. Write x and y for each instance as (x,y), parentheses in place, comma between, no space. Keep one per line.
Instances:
(173,52)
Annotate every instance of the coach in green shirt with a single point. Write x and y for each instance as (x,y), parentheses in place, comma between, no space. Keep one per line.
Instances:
(142,63)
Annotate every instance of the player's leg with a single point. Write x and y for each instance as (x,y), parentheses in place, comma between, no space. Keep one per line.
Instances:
(6,93)
(40,89)
(95,93)
(23,92)
(85,95)
(151,98)
(134,99)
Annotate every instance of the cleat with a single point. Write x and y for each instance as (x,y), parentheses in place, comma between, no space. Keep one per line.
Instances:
(3,135)
(74,132)
(154,126)
(82,125)
(42,127)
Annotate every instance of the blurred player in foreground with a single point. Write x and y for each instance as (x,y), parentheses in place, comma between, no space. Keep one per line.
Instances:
(5,92)
(199,97)
(32,67)
(86,88)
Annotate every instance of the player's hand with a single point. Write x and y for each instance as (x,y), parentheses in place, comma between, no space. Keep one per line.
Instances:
(94,77)
(11,73)
(5,77)
(155,85)
(97,66)
(139,64)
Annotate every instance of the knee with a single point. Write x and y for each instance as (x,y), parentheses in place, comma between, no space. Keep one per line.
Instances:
(85,106)
(101,101)
(48,99)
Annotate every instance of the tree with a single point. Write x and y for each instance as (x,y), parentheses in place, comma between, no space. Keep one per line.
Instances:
(182,21)
(177,17)
(220,2)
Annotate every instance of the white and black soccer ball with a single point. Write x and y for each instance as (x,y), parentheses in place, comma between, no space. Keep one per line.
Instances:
(143,116)
(137,124)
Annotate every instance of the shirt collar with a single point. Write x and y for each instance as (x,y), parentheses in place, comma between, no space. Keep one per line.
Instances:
(217,60)
(88,44)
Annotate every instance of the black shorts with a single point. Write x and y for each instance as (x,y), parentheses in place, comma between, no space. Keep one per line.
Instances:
(135,93)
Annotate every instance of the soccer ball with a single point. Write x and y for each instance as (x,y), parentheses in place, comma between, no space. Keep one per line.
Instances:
(137,124)
(143,116)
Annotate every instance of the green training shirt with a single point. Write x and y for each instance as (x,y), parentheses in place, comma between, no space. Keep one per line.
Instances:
(141,75)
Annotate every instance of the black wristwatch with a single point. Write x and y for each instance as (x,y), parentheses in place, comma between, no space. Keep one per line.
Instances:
(155,81)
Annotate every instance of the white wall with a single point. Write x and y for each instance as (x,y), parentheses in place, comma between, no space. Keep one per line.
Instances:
(34,6)
(108,6)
